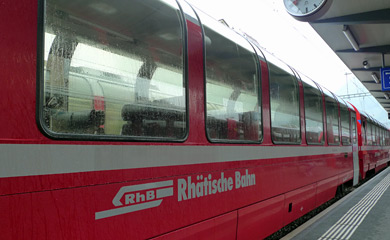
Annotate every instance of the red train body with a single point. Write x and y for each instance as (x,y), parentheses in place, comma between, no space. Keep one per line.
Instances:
(117,125)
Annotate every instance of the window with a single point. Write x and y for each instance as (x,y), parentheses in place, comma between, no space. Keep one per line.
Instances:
(369,133)
(114,69)
(381,131)
(313,113)
(284,96)
(377,135)
(232,86)
(374,135)
(332,120)
(354,130)
(364,132)
(345,125)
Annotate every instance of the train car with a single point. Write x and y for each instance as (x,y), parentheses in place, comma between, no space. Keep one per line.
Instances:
(148,119)
(373,146)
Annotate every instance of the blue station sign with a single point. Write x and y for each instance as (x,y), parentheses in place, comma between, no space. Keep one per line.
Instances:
(385,78)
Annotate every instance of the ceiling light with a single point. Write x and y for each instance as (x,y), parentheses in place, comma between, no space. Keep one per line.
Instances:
(366,65)
(350,38)
(375,77)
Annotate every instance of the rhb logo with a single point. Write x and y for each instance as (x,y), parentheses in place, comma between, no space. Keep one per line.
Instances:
(149,195)
(138,197)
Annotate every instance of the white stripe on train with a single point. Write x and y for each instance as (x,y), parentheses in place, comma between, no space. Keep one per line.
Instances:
(35,159)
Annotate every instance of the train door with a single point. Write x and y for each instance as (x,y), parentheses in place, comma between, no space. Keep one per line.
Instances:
(355,148)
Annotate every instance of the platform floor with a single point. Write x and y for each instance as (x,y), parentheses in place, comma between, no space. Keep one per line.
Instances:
(361,215)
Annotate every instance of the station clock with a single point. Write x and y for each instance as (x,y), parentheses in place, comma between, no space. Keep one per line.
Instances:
(307,10)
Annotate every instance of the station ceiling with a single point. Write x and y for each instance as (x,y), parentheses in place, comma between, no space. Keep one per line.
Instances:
(368,21)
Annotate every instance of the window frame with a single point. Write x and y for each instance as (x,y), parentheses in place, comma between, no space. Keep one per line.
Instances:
(92,137)
(280,65)
(347,110)
(335,102)
(321,97)
(256,54)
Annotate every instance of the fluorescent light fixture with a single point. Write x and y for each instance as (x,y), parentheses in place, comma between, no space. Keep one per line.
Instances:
(386,96)
(375,77)
(350,37)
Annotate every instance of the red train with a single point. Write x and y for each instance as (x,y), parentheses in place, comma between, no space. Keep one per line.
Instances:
(148,119)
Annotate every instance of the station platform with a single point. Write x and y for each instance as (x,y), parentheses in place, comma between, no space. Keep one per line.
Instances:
(362,214)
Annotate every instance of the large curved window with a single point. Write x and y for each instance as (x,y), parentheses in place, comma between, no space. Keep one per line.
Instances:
(232,85)
(376,134)
(313,113)
(345,125)
(354,128)
(332,118)
(284,96)
(114,68)
(364,131)
(373,130)
(369,133)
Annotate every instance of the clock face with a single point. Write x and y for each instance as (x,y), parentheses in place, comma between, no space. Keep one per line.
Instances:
(299,8)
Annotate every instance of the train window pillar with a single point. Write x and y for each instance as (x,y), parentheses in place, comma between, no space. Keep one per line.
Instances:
(233,108)
(113,72)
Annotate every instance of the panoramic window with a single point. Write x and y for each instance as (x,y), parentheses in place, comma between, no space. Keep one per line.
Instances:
(313,113)
(376,137)
(113,69)
(345,125)
(364,132)
(284,96)
(354,129)
(232,85)
(374,134)
(369,133)
(332,120)
(382,138)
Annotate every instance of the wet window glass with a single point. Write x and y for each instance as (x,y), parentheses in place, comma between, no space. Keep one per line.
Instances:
(114,69)
(382,137)
(364,132)
(373,129)
(332,120)
(232,85)
(313,114)
(369,133)
(376,141)
(354,129)
(284,96)
(345,125)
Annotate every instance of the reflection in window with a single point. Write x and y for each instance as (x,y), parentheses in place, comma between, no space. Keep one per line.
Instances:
(354,130)
(332,120)
(363,131)
(369,133)
(345,125)
(232,86)
(313,114)
(115,69)
(284,94)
